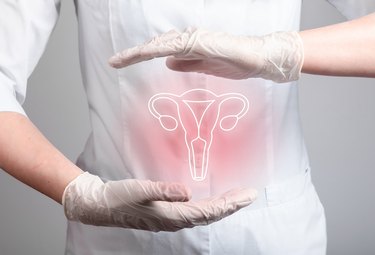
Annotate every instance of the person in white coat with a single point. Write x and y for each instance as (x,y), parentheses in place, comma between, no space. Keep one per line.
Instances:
(228,133)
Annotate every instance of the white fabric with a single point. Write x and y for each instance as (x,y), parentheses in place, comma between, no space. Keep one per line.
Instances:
(352,9)
(25,27)
(265,150)
(287,219)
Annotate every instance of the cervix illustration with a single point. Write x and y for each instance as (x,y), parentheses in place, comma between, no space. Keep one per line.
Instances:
(198,111)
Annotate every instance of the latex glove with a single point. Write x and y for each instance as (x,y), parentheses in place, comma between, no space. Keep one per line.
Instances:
(138,204)
(277,56)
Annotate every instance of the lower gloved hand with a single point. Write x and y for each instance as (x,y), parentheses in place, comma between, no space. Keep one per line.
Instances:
(146,205)
(277,56)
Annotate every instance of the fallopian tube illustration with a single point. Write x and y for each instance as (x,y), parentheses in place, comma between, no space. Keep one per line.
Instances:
(198,111)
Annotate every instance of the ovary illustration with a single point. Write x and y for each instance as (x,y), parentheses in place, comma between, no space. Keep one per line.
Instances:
(198,111)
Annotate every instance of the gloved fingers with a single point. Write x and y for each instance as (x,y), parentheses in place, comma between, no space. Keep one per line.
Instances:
(163,191)
(186,65)
(190,214)
(166,44)
(142,191)
(216,208)
(213,66)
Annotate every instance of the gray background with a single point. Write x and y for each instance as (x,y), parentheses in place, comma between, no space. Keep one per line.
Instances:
(338,116)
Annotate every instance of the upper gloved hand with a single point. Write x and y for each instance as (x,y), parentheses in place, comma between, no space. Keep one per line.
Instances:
(146,205)
(277,56)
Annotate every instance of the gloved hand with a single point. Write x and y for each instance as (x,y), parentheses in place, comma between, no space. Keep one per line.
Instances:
(154,206)
(277,56)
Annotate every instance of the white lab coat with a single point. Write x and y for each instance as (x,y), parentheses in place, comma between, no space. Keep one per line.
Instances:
(265,150)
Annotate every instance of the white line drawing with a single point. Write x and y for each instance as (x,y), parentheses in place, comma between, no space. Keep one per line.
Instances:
(198,140)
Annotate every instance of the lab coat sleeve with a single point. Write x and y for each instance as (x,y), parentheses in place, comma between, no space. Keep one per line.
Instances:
(352,9)
(25,27)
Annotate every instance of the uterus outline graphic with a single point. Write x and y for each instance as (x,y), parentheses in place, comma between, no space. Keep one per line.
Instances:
(197,103)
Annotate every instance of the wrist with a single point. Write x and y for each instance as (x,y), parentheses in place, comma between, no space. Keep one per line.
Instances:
(82,189)
(284,56)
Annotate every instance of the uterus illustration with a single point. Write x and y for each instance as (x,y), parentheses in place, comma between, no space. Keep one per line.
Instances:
(198,112)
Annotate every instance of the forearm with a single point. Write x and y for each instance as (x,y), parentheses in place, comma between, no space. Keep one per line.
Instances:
(28,156)
(345,49)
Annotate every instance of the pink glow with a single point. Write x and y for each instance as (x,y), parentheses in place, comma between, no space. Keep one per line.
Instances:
(240,157)
(197,112)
